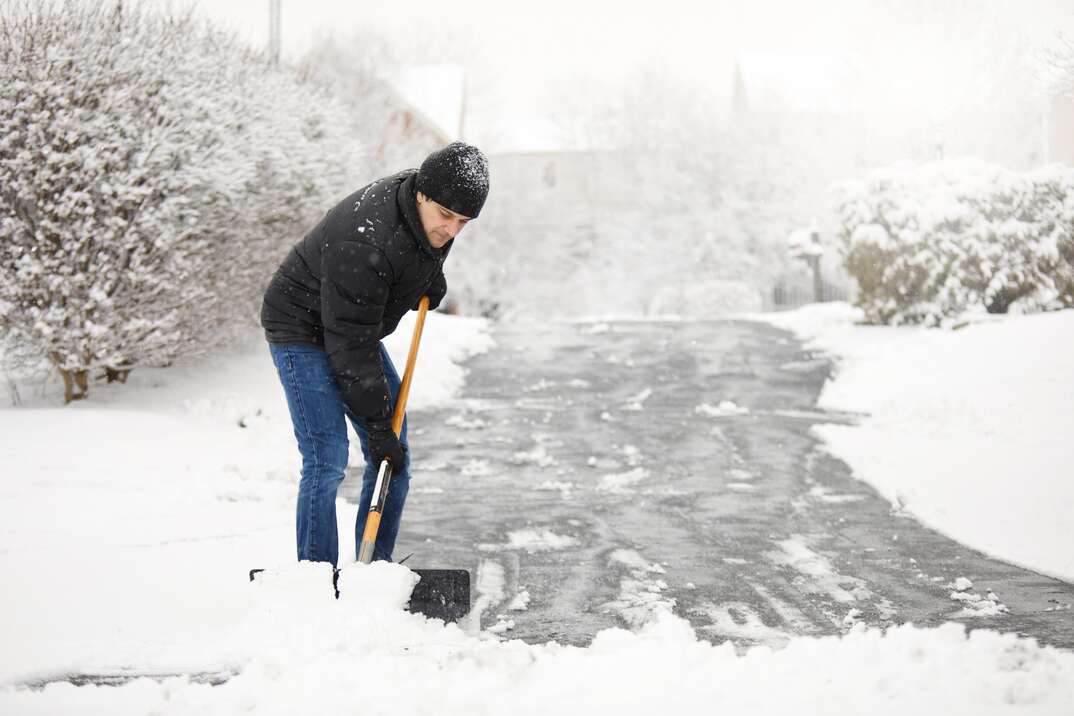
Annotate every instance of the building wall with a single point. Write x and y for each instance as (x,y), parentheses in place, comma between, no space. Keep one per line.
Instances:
(563,194)
(1060,130)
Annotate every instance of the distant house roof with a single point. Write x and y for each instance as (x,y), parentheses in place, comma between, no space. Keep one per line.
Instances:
(518,133)
(507,128)
(793,82)
(436,92)
(437,95)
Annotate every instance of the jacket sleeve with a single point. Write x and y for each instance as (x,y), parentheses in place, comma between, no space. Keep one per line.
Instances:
(437,290)
(355,278)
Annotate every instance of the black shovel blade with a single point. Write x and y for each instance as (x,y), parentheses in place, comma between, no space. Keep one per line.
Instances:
(441,594)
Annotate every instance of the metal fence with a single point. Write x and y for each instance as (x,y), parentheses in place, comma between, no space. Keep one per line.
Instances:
(784,296)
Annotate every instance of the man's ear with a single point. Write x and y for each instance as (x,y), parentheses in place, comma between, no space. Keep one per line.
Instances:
(421,198)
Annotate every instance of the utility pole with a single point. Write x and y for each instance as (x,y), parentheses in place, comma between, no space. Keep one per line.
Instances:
(1045,135)
(274,32)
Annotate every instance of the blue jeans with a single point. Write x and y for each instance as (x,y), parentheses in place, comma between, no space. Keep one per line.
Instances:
(318,412)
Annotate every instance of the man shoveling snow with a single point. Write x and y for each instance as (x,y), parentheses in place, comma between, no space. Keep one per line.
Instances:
(339,292)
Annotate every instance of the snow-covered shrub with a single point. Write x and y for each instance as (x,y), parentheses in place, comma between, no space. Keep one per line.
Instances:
(151,169)
(928,242)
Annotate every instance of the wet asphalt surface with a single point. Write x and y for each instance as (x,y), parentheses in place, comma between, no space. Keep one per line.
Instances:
(591,467)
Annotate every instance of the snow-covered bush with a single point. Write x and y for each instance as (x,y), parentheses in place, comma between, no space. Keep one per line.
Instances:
(928,242)
(151,170)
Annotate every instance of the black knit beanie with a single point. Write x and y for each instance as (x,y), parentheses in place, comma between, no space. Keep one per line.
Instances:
(457,178)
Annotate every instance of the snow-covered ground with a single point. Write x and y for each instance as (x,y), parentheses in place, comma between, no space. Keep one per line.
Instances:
(969,430)
(129,521)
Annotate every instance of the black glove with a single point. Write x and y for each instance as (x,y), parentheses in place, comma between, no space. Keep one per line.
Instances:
(385,445)
(436,292)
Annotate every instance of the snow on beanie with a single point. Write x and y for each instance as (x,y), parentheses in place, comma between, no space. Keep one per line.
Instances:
(457,178)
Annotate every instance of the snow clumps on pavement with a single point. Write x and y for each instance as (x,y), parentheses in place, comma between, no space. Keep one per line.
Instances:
(726,408)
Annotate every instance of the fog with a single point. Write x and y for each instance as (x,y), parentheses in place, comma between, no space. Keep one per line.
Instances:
(540,59)
(696,136)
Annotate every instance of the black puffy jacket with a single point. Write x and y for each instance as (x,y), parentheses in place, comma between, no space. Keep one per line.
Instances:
(346,285)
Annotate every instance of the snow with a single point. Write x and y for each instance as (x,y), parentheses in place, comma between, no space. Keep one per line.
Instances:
(521,602)
(537,456)
(622,481)
(436,91)
(641,597)
(724,409)
(966,429)
(538,540)
(427,668)
(564,488)
(795,554)
(141,562)
(477,468)
(931,243)
(126,518)
(796,81)
(145,242)
(963,584)
(636,402)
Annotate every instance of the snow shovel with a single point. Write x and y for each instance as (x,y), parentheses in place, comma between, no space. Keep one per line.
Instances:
(441,593)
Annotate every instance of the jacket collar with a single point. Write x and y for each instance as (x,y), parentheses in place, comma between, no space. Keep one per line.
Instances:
(407,198)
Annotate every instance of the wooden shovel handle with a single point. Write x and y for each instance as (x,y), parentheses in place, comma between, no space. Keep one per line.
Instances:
(384,475)
(412,358)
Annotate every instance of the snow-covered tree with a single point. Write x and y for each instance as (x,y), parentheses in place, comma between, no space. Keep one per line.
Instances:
(1060,60)
(151,170)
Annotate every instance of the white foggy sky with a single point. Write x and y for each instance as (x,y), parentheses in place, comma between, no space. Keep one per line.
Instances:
(562,56)
(611,30)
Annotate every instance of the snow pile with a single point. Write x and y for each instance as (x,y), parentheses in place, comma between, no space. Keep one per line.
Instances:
(521,602)
(336,651)
(445,343)
(968,429)
(130,520)
(974,605)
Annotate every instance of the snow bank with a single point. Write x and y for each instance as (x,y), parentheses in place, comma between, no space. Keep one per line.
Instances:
(446,342)
(324,656)
(131,519)
(969,430)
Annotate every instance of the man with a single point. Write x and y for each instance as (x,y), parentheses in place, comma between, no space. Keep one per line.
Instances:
(341,290)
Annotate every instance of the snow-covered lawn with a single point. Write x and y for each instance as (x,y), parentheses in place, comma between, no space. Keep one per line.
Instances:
(969,430)
(129,521)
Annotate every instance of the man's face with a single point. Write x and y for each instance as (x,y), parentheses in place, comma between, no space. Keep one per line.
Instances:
(441,225)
